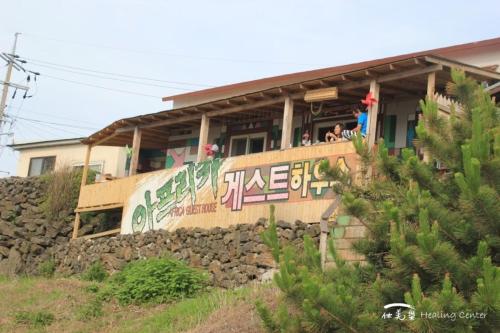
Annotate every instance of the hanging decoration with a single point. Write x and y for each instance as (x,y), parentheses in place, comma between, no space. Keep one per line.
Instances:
(210,150)
(316,112)
(369,100)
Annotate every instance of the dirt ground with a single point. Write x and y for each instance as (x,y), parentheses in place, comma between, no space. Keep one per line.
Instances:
(241,317)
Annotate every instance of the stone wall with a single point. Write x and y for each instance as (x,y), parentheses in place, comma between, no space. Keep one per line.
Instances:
(26,236)
(233,256)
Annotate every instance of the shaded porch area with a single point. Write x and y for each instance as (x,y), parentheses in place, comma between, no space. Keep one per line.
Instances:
(273,121)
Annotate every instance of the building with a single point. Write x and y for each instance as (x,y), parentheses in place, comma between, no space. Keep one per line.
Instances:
(40,157)
(258,128)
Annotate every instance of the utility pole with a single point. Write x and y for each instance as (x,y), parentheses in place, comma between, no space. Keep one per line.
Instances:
(6,82)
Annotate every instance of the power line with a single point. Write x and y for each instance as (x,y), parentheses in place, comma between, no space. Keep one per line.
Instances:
(51,123)
(112,78)
(101,87)
(58,117)
(38,62)
(45,125)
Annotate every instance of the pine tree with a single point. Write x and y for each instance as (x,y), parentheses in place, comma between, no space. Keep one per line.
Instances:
(433,240)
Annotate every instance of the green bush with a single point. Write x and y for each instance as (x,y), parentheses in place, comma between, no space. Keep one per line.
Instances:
(156,280)
(63,188)
(95,272)
(92,288)
(36,319)
(90,310)
(47,268)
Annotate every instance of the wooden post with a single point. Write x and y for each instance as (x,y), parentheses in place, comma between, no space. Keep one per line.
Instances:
(286,133)
(205,123)
(431,90)
(86,166)
(372,114)
(76,226)
(431,84)
(136,146)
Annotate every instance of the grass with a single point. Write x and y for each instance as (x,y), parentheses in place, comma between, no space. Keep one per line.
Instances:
(27,304)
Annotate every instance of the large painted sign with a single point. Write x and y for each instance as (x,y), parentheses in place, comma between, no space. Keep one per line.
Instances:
(221,192)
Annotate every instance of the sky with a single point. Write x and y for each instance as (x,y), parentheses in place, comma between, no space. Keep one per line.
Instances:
(87,52)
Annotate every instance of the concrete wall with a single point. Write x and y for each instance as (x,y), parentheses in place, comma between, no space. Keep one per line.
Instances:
(113,159)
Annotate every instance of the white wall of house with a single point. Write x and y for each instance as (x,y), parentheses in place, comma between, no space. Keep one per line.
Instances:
(111,159)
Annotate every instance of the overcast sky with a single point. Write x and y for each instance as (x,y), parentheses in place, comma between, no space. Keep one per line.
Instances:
(187,45)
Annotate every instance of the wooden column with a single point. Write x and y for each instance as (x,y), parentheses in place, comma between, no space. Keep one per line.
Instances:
(136,146)
(86,166)
(373,113)
(286,133)
(431,90)
(431,84)
(76,226)
(205,124)
(85,172)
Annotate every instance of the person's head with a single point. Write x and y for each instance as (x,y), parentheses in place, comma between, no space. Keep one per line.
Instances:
(337,129)
(356,112)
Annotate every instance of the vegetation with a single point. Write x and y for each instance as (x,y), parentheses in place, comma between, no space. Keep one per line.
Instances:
(156,280)
(75,309)
(95,272)
(63,188)
(433,236)
(34,319)
(47,268)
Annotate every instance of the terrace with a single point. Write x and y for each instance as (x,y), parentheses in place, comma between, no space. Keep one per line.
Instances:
(262,129)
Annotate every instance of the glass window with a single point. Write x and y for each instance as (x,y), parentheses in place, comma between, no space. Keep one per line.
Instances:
(239,147)
(248,144)
(256,145)
(41,165)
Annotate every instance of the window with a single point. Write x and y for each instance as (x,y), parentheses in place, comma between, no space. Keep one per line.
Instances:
(41,165)
(97,167)
(247,144)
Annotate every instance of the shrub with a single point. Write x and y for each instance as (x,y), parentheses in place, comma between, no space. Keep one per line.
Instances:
(156,280)
(92,288)
(90,310)
(63,188)
(95,272)
(36,319)
(47,268)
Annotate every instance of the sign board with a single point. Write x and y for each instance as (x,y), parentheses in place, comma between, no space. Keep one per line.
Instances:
(221,192)
(323,94)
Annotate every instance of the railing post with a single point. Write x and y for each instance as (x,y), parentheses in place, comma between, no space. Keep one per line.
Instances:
(204,126)
(373,113)
(85,170)
(136,146)
(286,133)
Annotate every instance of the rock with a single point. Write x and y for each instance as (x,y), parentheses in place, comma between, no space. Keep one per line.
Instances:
(111,262)
(12,265)
(43,241)
(8,229)
(268,275)
(127,253)
(265,260)
(4,251)
(284,225)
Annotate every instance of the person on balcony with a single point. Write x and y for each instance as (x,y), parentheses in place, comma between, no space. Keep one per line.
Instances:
(336,134)
(306,140)
(361,126)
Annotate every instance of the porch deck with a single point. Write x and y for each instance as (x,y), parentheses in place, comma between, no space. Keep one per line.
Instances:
(224,191)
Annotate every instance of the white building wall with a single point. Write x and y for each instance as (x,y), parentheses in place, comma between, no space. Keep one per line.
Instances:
(113,159)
